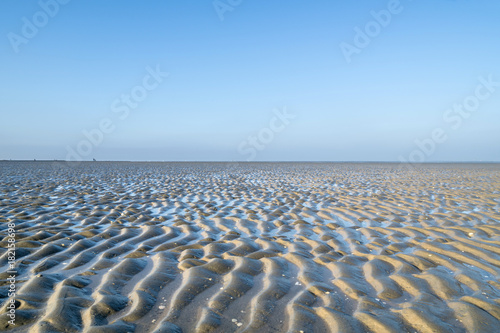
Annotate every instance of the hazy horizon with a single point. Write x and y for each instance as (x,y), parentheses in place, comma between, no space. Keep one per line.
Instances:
(244,161)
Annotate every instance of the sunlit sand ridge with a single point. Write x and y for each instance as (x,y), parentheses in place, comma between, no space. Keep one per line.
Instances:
(264,247)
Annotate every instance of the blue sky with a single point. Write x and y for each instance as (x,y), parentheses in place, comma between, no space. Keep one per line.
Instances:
(227,79)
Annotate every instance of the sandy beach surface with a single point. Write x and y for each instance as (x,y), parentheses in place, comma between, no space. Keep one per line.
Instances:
(251,247)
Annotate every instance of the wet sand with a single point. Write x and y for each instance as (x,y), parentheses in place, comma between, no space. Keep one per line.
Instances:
(256,247)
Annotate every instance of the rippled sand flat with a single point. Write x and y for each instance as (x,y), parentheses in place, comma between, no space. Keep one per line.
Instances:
(258,247)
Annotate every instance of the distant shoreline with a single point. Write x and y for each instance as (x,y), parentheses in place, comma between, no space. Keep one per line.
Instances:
(254,162)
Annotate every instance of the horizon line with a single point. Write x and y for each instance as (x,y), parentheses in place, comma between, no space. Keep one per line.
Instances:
(245,162)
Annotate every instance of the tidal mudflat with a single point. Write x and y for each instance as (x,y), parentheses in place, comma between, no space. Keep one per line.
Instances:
(254,247)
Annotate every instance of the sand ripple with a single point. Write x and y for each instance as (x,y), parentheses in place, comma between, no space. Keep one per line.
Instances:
(259,247)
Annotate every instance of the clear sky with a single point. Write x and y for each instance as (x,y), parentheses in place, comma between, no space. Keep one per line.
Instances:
(346,87)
